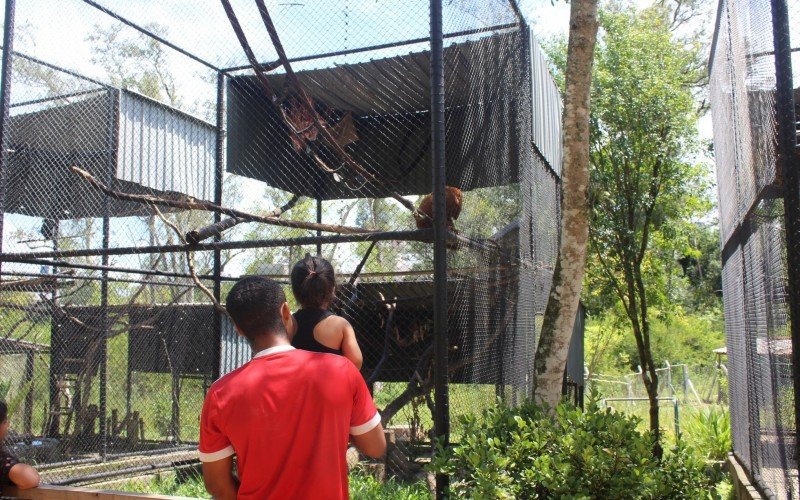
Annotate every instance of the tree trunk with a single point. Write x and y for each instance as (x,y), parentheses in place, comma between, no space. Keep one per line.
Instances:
(562,305)
(649,367)
(651,384)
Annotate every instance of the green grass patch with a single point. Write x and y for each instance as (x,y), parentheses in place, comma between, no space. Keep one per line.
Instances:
(362,487)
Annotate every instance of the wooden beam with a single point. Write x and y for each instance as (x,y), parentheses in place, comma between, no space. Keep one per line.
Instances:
(46,492)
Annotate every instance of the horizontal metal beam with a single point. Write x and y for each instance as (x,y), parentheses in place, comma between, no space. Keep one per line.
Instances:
(187,284)
(415,235)
(381,46)
(55,98)
(98,267)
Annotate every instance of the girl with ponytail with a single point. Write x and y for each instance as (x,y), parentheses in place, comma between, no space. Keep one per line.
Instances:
(315,327)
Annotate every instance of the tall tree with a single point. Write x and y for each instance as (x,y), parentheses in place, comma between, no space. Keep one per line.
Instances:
(562,305)
(645,181)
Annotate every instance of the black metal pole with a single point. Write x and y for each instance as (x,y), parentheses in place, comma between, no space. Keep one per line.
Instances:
(410,235)
(319,221)
(789,161)
(441,419)
(28,415)
(92,267)
(218,179)
(111,148)
(54,424)
(5,101)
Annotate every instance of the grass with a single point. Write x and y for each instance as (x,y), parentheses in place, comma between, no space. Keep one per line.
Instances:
(465,399)
(167,485)
(362,487)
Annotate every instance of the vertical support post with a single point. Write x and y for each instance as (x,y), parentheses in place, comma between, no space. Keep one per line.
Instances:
(175,420)
(319,221)
(676,409)
(441,419)
(789,163)
(5,102)
(54,419)
(28,415)
(111,161)
(685,381)
(218,178)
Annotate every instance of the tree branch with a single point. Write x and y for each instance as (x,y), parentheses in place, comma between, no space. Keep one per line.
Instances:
(197,235)
(194,204)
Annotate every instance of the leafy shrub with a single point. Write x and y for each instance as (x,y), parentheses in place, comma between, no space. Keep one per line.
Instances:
(365,487)
(683,473)
(709,431)
(529,453)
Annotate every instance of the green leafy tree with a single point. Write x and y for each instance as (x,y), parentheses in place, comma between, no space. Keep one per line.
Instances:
(645,180)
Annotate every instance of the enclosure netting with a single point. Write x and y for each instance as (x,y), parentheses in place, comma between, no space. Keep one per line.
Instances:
(107,341)
(753,237)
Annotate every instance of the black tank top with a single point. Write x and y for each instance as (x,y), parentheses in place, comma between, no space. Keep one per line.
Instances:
(304,339)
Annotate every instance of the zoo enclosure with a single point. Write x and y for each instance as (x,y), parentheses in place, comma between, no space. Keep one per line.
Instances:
(754,94)
(108,342)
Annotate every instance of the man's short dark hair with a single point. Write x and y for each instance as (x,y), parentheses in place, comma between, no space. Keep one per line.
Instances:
(254,304)
(3,411)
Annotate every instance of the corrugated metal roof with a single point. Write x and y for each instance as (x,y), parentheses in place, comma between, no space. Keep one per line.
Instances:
(547,109)
(158,149)
(390,100)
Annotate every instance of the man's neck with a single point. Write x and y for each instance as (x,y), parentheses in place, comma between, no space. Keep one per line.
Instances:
(267,341)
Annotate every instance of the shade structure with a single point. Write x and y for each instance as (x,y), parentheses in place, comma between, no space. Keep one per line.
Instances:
(138,144)
(389,99)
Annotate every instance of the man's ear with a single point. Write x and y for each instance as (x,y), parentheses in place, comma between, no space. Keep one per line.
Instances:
(286,313)
(239,331)
(288,319)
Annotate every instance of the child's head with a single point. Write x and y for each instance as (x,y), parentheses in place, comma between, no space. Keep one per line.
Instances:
(313,282)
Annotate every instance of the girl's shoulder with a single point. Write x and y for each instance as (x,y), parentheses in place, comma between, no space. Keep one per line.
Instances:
(336,321)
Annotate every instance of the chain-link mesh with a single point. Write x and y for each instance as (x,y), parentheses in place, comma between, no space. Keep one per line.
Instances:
(754,247)
(101,306)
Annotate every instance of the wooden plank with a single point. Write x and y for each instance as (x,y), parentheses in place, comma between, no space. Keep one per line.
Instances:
(46,492)
(742,487)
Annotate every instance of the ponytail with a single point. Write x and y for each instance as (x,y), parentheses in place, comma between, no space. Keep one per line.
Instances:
(313,281)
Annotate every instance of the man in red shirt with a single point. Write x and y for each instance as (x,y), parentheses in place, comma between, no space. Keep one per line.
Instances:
(287,414)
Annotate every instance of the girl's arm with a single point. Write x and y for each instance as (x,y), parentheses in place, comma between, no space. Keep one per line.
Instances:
(350,348)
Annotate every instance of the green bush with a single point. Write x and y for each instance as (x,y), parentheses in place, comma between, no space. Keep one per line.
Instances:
(526,452)
(366,487)
(709,431)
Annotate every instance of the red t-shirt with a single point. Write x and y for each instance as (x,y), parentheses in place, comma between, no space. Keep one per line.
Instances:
(287,415)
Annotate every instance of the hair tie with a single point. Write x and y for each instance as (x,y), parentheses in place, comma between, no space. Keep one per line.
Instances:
(312,273)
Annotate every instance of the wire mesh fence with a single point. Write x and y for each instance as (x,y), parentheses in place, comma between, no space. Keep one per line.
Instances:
(212,141)
(757,166)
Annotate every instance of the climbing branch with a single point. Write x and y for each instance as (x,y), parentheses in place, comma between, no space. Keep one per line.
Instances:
(190,263)
(190,203)
(196,236)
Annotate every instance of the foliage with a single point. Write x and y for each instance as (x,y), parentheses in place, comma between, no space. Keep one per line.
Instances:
(136,62)
(677,338)
(366,487)
(682,473)
(785,408)
(362,487)
(168,485)
(527,452)
(709,430)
